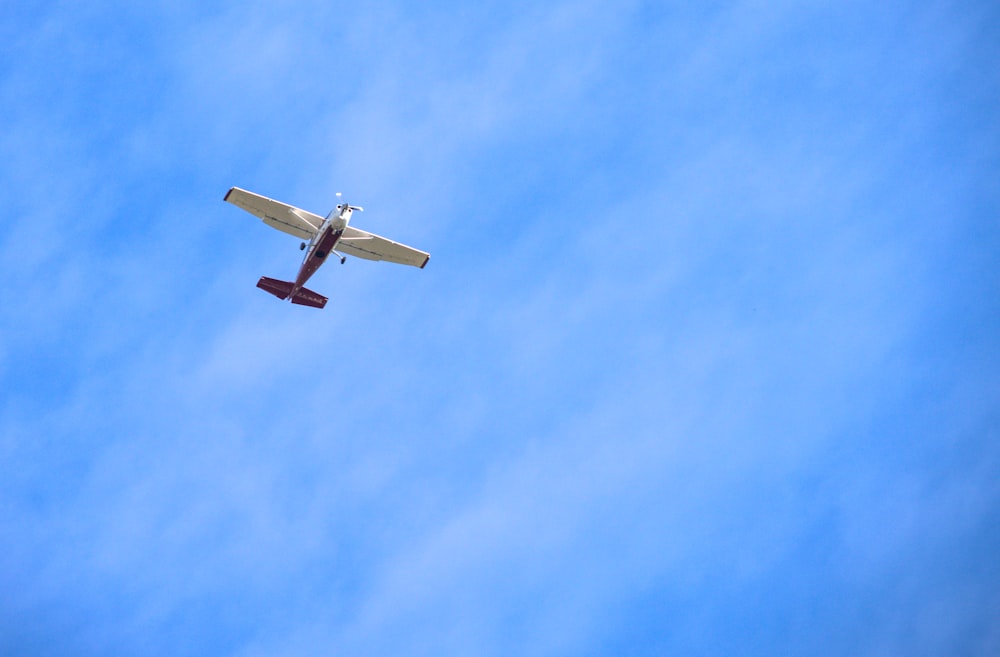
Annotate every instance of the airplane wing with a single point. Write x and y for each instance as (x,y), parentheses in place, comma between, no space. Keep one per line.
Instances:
(362,244)
(276,214)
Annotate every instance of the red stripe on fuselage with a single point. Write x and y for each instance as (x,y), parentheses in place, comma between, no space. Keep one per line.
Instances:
(317,256)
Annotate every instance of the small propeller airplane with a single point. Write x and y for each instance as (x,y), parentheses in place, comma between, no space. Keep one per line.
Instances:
(330,236)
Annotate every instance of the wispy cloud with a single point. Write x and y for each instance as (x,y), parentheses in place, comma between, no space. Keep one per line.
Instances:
(702,360)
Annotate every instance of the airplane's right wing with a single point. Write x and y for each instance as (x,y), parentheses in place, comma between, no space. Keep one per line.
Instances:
(362,244)
(276,214)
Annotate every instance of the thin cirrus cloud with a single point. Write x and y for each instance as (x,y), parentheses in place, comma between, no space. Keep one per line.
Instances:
(702,360)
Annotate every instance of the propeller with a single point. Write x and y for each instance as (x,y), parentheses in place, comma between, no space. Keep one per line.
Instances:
(356,208)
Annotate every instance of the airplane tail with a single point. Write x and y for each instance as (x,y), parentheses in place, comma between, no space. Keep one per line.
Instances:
(283,289)
(306,297)
(280,289)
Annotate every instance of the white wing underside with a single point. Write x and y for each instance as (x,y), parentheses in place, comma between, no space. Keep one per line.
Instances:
(276,214)
(305,225)
(362,244)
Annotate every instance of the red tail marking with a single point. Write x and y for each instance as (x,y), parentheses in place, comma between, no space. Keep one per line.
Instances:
(280,289)
(283,289)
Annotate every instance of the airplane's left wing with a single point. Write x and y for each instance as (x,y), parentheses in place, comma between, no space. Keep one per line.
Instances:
(362,244)
(276,214)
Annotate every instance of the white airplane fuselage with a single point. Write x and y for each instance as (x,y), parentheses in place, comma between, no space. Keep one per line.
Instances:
(323,244)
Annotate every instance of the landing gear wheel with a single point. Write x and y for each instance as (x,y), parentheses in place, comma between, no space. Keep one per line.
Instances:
(302,246)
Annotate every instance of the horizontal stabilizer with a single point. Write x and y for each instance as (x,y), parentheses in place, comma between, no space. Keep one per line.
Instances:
(283,289)
(280,289)
(306,297)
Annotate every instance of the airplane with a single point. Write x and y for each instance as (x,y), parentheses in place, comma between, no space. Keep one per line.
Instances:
(330,236)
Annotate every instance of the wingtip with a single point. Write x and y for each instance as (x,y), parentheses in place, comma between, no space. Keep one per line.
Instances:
(226,197)
(425,262)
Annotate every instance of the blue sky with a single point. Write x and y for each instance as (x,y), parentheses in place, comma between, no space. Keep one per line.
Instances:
(705,360)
